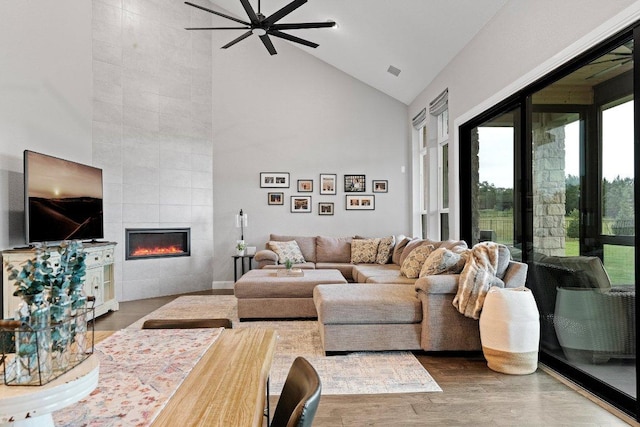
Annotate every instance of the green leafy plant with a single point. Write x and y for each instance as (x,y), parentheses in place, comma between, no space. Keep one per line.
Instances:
(288,264)
(72,268)
(241,246)
(35,275)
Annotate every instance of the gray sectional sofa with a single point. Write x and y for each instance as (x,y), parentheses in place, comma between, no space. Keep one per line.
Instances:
(380,308)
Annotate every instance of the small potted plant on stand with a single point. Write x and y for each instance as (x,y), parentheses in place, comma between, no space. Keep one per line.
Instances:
(240,247)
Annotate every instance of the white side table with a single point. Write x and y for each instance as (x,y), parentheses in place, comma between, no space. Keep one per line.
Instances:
(30,406)
(510,330)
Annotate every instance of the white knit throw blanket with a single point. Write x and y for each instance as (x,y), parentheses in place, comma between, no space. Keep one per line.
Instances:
(478,275)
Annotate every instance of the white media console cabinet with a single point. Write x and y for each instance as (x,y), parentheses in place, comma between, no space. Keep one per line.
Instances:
(99,281)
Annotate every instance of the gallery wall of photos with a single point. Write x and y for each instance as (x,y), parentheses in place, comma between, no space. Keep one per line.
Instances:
(354,187)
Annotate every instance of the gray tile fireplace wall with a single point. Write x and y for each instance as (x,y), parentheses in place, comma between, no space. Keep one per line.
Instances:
(152,135)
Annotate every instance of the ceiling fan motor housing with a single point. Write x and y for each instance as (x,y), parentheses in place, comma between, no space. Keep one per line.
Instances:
(266,26)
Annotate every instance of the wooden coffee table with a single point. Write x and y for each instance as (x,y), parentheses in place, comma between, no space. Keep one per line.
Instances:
(263,294)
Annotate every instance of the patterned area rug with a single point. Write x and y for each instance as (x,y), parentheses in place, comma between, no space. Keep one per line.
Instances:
(355,373)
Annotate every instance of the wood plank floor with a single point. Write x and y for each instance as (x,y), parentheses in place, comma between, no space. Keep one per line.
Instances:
(472,393)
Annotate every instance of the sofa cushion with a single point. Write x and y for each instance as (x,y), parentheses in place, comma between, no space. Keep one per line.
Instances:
(307,244)
(442,261)
(385,250)
(367,304)
(361,272)
(593,273)
(401,243)
(344,268)
(333,249)
(287,251)
(413,263)
(364,250)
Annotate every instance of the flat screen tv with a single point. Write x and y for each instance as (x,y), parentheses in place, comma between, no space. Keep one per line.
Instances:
(63,199)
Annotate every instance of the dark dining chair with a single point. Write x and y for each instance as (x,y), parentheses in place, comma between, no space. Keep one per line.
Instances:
(186,323)
(300,396)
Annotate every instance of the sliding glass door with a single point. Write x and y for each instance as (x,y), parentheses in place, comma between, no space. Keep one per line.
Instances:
(551,174)
(493,146)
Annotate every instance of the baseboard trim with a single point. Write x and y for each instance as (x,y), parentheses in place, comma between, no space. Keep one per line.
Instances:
(222,285)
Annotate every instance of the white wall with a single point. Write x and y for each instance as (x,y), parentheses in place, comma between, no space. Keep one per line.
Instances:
(58,64)
(152,136)
(293,113)
(45,94)
(524,41)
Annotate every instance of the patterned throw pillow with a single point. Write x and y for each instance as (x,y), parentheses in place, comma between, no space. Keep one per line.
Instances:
(443,261)
(385,250)
(412,264)
(287,250)
(364,251)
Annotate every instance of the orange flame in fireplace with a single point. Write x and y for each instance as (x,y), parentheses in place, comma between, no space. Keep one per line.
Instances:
(157,250)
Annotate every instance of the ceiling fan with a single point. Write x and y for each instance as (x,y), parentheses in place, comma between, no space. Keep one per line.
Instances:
(265,26)
(616,58)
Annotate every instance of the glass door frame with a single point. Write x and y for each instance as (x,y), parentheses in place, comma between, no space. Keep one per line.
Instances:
(523,195)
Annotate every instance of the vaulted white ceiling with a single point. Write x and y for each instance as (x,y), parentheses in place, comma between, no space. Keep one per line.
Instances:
(419,37)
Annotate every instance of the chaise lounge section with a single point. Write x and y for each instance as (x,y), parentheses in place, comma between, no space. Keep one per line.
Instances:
(373,317)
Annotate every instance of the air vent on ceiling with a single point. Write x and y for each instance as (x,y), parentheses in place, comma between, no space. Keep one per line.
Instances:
(393,70)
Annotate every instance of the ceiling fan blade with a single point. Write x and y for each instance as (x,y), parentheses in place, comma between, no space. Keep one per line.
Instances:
(275,17)
(234,41)
(250,12)
(291,38)
(606,70)
(216,13)
(267,43)
(604,61)
(303,25)
(219,28)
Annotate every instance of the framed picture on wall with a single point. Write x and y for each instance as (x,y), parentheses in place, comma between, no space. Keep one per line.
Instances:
(300,204)
(328,183)
(305,185)
(380,186)
(355,184)
(360,203)
(275,198)
(274,179)
(325,208)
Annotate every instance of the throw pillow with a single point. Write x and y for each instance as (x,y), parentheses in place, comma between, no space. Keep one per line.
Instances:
(364,251)
(412,265)
(401,243)
(413,244)
(385,250)
(333,249)
(287,251)
(442,261)
(504,256)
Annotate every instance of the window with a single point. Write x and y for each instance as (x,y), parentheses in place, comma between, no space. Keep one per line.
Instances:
(443,126)
(443,190)
(439,110)
(421,173)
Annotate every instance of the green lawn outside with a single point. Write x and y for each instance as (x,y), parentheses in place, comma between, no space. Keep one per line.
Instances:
(619,261)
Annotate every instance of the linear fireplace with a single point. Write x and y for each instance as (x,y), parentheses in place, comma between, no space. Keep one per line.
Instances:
(142,243)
